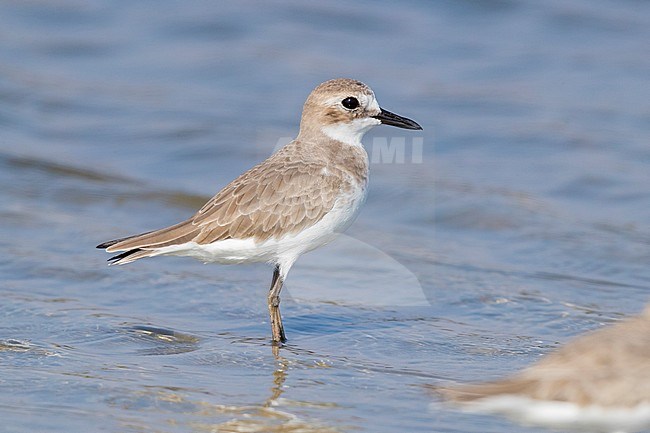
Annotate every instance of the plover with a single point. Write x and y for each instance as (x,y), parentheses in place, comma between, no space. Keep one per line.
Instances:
(298,199)
(598,382)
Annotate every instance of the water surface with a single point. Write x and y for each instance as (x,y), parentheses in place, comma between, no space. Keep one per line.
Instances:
(526,221)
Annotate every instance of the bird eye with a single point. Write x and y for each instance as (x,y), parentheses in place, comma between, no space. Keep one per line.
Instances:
(350,103)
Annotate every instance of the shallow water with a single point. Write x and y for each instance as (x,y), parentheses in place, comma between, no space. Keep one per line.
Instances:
(524,222)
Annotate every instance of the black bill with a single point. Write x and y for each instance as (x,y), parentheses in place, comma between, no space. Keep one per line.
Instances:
(392,119)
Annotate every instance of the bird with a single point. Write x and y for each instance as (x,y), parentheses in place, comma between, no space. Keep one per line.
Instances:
(298,199)
(598,382)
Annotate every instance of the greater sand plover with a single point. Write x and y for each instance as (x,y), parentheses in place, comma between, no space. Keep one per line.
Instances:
(599,382)
(298,199)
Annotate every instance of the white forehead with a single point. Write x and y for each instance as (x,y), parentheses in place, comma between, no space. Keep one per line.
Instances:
(369,101)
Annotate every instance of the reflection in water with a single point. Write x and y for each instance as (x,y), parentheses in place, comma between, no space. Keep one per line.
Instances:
(279,377)
(267,417)
(202,413)
(263,418)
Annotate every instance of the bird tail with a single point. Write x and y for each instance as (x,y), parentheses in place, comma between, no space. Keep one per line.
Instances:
(128,256)
(148,244)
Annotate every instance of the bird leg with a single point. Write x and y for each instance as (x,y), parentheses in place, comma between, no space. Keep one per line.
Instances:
(274,307)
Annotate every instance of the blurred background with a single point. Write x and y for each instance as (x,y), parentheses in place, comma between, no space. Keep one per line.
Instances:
(524,221)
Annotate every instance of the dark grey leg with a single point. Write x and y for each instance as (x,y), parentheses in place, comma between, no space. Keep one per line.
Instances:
(274,307)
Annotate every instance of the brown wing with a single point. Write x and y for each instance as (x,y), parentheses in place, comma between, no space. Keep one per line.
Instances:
(267,202)
(273,198)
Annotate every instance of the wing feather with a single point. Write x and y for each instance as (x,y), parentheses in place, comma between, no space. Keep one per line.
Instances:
(268,202)
(274,198)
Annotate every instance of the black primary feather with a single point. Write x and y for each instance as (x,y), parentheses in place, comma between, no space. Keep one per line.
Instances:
(119,257)
(107,244)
